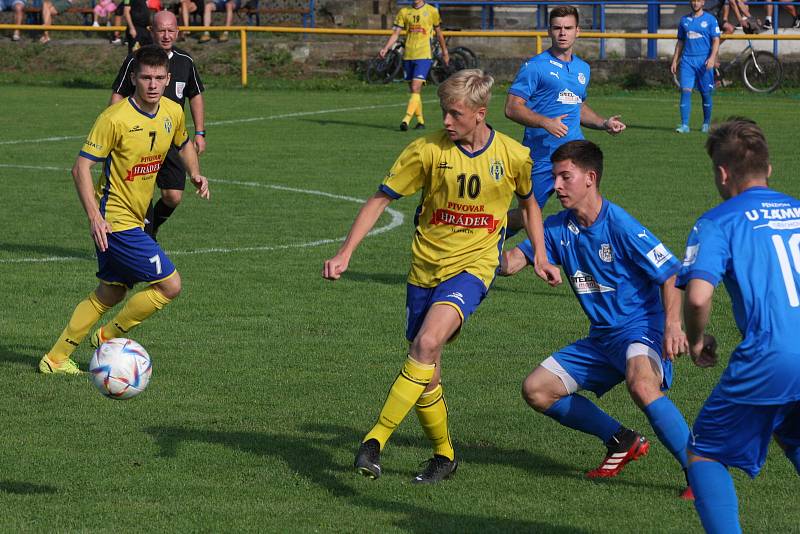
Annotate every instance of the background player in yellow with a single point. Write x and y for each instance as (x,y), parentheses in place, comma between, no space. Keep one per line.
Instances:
(419,21)
(131,138)
(469,174)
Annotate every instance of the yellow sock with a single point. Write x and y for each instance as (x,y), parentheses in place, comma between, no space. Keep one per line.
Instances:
(138,308)
(405,391)
(86,314)
(418,108)
(414,102)
(432,414)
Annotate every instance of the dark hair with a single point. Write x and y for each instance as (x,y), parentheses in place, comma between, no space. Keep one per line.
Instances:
(564,11)
(583,154)
(739,145)
(152,56)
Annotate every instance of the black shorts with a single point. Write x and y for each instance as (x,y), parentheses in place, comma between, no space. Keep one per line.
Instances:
(120,11)
(172,174)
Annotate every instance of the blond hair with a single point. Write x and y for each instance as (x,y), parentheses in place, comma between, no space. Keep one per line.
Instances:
(471,86)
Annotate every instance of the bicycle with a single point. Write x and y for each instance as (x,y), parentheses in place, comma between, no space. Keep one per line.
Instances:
(759,70)
(390,67)
(461,58)
(387,68)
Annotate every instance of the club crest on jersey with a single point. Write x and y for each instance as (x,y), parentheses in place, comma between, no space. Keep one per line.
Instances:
(704,24)
(168,124)
(568,97)
(585,284)
(605,253)
(581,78)
(497,170)
(179,87)
(659,255)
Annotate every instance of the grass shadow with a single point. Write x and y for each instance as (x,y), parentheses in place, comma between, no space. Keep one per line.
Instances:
(26,488)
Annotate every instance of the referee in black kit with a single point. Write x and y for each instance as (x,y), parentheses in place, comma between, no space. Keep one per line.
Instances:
(184,83)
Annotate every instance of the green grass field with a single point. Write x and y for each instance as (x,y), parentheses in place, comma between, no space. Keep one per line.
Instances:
(266,376)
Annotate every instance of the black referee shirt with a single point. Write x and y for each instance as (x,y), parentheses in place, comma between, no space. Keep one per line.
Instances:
(184,80)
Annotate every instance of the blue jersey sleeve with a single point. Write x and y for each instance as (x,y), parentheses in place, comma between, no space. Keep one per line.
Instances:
(646,251)
(707,254)
(526,81)
(681,30)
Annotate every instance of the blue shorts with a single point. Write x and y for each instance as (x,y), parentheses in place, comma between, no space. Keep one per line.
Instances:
(416,69)
(133,256)
(738,435)
(219,5)
(9,4)
(692,73)
(543,181)
(464,292)
(598,363)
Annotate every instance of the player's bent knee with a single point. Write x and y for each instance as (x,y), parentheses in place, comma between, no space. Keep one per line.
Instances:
(425,348)
(171,287)
(537,395)
(110,294)
(644,391)
(172,197)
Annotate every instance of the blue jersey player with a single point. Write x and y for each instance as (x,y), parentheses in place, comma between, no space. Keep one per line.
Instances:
(548,97)
(696,52)
(624,278)
(751,242)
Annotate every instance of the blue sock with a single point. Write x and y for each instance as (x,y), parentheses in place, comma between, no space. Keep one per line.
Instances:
(686,106)
(579,413)
(794,456)
(670,427)
(707,105)
(714,497)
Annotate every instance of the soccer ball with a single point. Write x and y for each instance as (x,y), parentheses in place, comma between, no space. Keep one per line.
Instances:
(120,368)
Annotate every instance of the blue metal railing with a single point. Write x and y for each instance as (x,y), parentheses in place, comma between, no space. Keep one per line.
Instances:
(653,14)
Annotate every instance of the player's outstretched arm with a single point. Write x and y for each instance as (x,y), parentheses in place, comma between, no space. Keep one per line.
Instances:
(533,225)
(675,342)
(512,261)
(612,125)
(367,216)
(390,42)
(696,311)
(189,158)
(676,57)
(198,109)
(517,111)
(82,176)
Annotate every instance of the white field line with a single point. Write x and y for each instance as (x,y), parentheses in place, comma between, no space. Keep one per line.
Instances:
(231,121)
(396,219)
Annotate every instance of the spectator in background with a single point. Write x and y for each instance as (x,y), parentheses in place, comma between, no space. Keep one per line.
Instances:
(187,8)
(721,10)
(51,8)
(137,19)
(789,8)
(17,7)
(116,39)
(103,11)
(218,5)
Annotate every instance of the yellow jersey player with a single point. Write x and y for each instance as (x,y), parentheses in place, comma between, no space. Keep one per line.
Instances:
(131,138)
(468,174)
(420,21)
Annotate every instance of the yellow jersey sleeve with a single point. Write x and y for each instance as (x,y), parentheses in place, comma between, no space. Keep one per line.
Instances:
(409,172)
(181,135)
(103,137)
